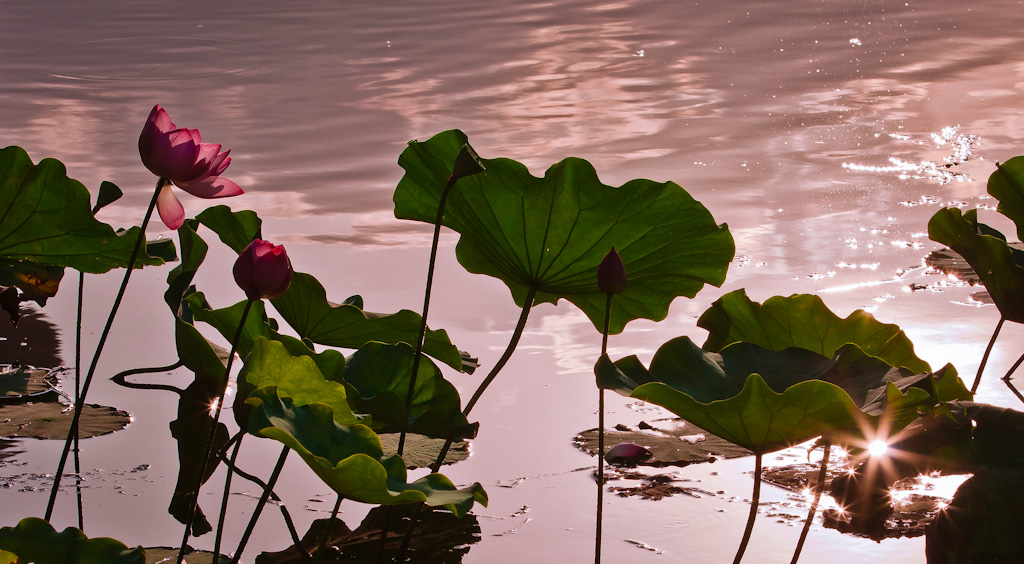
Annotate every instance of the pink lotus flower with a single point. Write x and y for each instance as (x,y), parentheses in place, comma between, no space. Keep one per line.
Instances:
(627,453)
(179,156)
(263,270)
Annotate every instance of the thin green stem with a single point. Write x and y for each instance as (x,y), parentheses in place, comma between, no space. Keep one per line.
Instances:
(755,497)
(261,504)
(984,358)
(818,488)
(224,498)
(80,402)
(208,449)
(600,437)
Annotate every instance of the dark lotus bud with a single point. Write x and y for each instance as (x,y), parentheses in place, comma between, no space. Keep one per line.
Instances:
(627,453)
(467,163)
(611,275)
(262,270)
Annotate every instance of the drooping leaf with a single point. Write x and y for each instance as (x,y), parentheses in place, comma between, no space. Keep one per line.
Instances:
(348,458)
(1006,184)
(306,309)
(46,219)
(35,540)
(551,233)
(52,420)
(804,321)
(765,400)
(989,255)
(193,252)
(235,229)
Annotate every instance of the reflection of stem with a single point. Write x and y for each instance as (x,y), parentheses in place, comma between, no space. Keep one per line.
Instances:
(753,510)
(259,506)
(517,333)
(984,358)
(208,450)
(119,378)
(80,402)
(818,488)
(330,525)
(600,437)
(224,499)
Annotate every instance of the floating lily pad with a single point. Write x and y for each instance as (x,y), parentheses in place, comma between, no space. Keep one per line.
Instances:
(656,487)
(349,458)
(439,538)
(166,555)
(35,540)
(998,265)
(22,383)
(674,442)
(52,420)
(420,451)
(550,234)
(804,321)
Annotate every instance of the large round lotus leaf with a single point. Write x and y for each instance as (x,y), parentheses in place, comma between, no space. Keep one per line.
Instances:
(18,384)
(804,321)
(35,540)
(997,264)
(550,234)
(1006,184)
(52,420)
(420,451)
(165,555)
(349,458)
(673,442)
(765,400)
(439,538)
(47,219)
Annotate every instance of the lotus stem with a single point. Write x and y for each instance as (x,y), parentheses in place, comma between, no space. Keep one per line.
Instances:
(818,488)
(260,505)
(78,374)
(984,358)
(600,438)
(753,510)
(208,450)
(80,401)
(330,525)
(224,498)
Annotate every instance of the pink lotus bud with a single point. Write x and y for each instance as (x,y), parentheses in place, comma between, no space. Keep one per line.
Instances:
(627,453)
(263,270)
(611,275)
(180,156)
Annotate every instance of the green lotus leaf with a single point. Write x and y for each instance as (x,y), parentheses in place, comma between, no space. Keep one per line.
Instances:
(35,540)
(305,307)
(47,219)
(179,279)
(349,458)
(550,234)
(804,321)
(988,254)
(379,375)
(9,558)
(765,400)
(1006,184)
(235,229)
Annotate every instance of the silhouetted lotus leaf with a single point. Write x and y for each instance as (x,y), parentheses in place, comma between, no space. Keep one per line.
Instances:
(52,420)
(35,540)
(349,458)
(551,234)
(804,321)
(19,384)
(766,400)
(997,264)
(439,538)
(306,309)
(48,220)
(179,279)
(1006,184)
(166,555)
(674,442)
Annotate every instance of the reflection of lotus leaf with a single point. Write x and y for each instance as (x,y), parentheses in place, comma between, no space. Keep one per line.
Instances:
(165,555)
(35,540)
(52,420)
(19,384)
(804,321)
(349,458)
(766,400)
(550,234)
